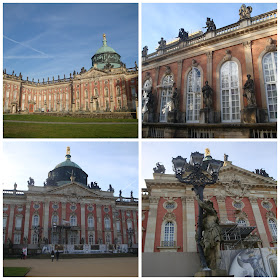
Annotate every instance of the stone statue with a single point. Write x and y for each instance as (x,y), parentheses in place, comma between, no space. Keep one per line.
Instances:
(145,51)
(175,99)
(150,102)
(30,182)
(249,92)
(212,235)
(15,186)
(183,35)
(245,12)
(159,168)
(68,150)
(225,157)
(131,194)
(136,66)
(162,43)
(210,25)
(207,95)
(120,194)
(111,189)
(207,152)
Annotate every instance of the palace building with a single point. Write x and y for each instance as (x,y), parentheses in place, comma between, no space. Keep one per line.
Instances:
(69,214)
(108,86)
(197,86)
(246,204)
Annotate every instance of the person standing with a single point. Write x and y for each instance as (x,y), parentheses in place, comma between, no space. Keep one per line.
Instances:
(52,255)
(57,255)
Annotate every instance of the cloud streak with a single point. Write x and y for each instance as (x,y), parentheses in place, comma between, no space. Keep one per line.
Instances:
(26,46)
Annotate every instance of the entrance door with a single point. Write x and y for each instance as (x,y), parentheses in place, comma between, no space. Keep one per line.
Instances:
(31,108)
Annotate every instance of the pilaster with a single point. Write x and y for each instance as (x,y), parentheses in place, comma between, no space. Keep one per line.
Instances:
(99,222)
(221,200)
(151,225)
(46,218)
(125,241)
(190,211)
(11,221)
(135,226)
(26,220)
(248,58)
(83,221)
(185,240)
(209,67)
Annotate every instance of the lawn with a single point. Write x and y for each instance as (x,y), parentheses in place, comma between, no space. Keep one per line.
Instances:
(33,130)
(15,271)
(44,118)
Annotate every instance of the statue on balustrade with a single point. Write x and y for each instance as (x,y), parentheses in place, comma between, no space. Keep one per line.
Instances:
(210,25)
(183,35)
(245,12)
(162,43)
(159,168)
(145,51)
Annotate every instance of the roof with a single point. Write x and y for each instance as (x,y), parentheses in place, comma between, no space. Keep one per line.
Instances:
(68,162)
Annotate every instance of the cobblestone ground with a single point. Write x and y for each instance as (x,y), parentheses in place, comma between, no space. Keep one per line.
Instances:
(109,267)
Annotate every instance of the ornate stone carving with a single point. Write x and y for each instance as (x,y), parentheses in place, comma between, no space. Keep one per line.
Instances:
(269,215)
(154,200)
(194,63)
(162,43)
(253,199)
(228,56)
(159,168)
(210,25)
(145,51)
(247,44)
(147,76)
(271,46)
(167,70)
(169,217)
(249,92)
(245,12)
(207,95)
(221,198)
(236,188)
(183,35)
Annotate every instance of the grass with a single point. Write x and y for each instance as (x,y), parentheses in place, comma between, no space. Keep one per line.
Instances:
(44,118)
(15,271)
(28,130)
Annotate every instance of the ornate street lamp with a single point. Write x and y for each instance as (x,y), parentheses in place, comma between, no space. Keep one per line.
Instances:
(201,172)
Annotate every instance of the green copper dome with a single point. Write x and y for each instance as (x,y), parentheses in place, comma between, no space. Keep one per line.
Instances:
(106,57)
(68,162)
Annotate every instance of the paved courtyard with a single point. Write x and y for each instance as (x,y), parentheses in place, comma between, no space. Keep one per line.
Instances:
(78,267)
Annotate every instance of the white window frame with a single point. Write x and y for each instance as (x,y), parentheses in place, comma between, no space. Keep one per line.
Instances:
(193,94)
(17,238)
(229,88)
(73,220)
(55,219)
(272,224)
(266,83)
(107,223)
(18,222)
(169,232)
(129,224)
(35,220)
(90,221)
(91,239)
(146,88)
(166,94)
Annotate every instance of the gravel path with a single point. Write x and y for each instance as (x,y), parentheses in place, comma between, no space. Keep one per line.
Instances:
(108,267)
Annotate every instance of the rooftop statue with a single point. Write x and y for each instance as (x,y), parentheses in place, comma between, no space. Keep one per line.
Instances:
(245,12)
(249,92)
(145,51)
(210,25)
(183,35)
(162,43)
(30,182)
(159,168)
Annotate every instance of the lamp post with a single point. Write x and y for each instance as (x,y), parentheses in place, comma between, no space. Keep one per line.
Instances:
(201,172)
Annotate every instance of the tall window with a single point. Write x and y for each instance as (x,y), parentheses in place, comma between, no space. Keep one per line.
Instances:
(4,222)
(35,221)
(118,91)
(54,220)
(73,221)
(91,239)
(230,97)
(17,237)
(106,92)
(273,228)
(7,100)
(90,222)
(118,225)
(166,95)
(129,224)
(169,234)
(107,223)
(18,222)
(270,80)
(73,237)
(193,95)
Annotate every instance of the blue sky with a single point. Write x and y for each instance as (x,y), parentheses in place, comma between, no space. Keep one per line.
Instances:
(114,163)
(248,155)
(45,40)
(165,19)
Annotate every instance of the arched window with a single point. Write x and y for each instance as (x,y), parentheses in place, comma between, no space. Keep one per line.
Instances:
(91,239)
(166,95)
(107,223)
(193,95)
(169,234)
(270,80)
(273,228)
(90,221)
(129,224)
(73,221)
(230,96)
(54,220)
(35,238)
(118,225)
(35,221)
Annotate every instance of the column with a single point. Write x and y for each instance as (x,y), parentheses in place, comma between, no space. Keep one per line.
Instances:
(184,224)
(114,222)
(222,208)
(11,221)
(46,219)
(151,225)
(179,77)
(248,58)
(83,221)
(259,222)
(125,241)
(209,67)
(190,210)
(135,226)
(63,208)
(26,220)
(99,222)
